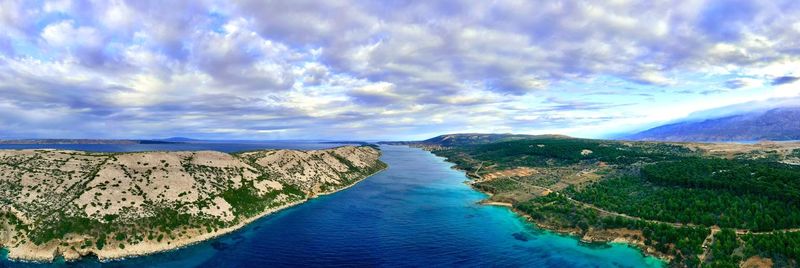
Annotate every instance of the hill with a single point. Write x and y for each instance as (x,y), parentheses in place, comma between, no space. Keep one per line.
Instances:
(179,139)
(772,124)
(470,138)
(114,205)
(694,204)
(83,141)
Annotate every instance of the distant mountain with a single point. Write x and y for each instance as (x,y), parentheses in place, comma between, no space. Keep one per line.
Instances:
(471,138)
(771,124)
(81,141)
(346,142)
(179,139)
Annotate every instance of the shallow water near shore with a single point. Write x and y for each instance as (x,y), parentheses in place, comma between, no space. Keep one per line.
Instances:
(418,212)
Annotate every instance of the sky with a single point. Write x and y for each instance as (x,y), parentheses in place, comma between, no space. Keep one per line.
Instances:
(384,70)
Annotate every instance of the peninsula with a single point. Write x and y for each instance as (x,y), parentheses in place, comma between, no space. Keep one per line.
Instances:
(691,204)
(114,205)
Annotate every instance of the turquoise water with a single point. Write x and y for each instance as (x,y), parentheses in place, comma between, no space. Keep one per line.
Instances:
(418,212)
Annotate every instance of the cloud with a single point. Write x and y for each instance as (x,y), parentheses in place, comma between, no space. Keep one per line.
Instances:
(784,80)
(743,83)
(380,94)
(289,69)
(725,20)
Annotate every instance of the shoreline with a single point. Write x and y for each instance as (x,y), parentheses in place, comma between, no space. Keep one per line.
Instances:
(639,245)
(140,250)
(563,232)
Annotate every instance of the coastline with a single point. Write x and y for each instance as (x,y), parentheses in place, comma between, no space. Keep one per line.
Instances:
(588,237)
(23,254)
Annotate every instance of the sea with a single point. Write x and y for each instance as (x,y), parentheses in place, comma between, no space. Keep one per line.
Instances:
(416,213)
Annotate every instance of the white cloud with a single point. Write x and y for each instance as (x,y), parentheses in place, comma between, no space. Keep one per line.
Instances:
(66,34)
(338,68)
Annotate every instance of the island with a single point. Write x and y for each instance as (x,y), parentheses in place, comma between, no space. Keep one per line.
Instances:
(58,203)
(691,204)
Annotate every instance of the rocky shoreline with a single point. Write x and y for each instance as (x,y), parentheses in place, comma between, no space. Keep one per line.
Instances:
(66,247)
(22,254)
(593,236)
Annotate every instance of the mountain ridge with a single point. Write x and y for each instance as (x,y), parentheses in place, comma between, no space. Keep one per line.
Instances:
(775,124)
(472,138)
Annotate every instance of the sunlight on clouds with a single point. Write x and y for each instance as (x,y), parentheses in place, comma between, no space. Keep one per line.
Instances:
(65,34)
(246,69)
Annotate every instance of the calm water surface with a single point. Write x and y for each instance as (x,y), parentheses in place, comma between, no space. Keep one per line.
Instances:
(418,212)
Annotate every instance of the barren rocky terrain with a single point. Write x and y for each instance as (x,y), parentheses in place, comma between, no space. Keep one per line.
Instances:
(112,205)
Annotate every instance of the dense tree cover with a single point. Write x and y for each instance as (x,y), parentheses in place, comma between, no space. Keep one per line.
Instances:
(559,210)
(685,243)
(772,179)
(778,246)
(660,182)
(549,152)
(722,250)
(63,225)
(164,219)
(246,200)
(636,197)
(498,185)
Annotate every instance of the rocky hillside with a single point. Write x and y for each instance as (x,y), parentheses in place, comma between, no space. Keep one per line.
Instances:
(773,124)
(113,205)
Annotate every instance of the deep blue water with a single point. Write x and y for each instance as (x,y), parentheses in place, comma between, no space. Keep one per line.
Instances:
(418,212)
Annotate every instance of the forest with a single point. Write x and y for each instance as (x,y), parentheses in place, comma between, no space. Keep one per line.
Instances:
(637,197)
(684,242)
(560,151)
(743,177)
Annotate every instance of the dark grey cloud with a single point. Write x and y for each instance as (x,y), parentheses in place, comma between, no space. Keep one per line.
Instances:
(724,20)
(784,80)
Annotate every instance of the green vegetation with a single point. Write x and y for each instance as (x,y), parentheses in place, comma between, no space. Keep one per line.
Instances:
(671,193)
(62,225)
(71,203)
(775,180)
(101,241)
(498,185)
(245,200)
(248,202)
(778,246)
(558,152)
(682,242)
(638,197)
(557,210)
(13,221)
(722,250)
